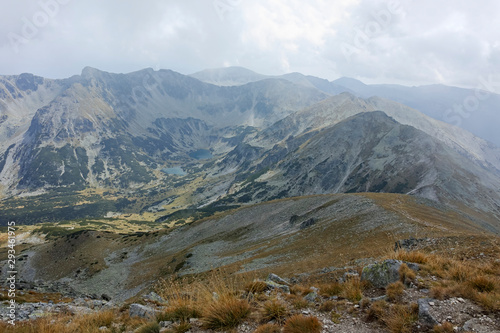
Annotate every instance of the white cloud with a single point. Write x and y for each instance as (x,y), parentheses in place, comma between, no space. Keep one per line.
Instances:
(452,42)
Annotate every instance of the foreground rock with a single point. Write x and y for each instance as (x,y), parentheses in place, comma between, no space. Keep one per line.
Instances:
(382,274)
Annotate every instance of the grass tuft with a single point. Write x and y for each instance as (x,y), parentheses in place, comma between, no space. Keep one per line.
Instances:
(395,291)
(352,289)
(446,327)
(256,287)
(377,310)
(268,328)
(152,327)
(400,318)
(327,306)
(274,310)
(302,324)
(406,274)
(225,313)
(483,283)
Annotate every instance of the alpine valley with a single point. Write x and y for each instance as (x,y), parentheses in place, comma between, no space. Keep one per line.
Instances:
(118,179)
(152,143)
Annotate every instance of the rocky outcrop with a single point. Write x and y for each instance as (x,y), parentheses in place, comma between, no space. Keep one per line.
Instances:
(273,281)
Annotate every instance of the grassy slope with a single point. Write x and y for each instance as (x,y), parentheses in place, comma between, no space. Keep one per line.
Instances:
(257,238)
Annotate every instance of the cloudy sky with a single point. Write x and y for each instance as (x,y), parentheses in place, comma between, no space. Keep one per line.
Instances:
(453,42)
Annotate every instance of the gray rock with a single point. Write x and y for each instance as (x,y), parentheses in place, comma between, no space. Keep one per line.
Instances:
(166,323)
(275,278)
(307,223)
(274,285)
(311,297)
(141,311)
(380,275)
(408,244)
(424,316)
(154,297)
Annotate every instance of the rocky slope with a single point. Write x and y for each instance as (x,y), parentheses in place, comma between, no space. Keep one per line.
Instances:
(293,236)
(99,126)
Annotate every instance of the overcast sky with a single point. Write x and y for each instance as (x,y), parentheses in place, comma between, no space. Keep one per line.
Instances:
(453,42)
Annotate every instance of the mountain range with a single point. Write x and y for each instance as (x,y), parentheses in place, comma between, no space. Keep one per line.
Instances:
(153,143)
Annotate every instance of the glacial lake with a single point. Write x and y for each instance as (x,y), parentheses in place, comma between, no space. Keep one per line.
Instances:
(201,154)
(174,171)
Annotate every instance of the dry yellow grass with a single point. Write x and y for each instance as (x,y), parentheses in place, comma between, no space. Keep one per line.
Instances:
(274,310)
(446,327)
(400,318)
(302,324)
(475,280)
(268,328)
(330,289)
(225,313)
(406,275)
(351,289)
(377,310)
(89,323)
(395,291)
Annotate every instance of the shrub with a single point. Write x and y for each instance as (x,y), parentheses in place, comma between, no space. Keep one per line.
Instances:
(331,289)
(377,310)
(327,306)
(268,328)
(335,317)
(394,291)
(482,283)
(225,313)
(152,327)
(406,274)
(274,310)
(446,327)
(180,313)
(181,327)
(438,292)
(352,289)
(300,303)
(256,287)
(459,272)
(400,318)
(364,303)
(302,324)
(490,301)
(300,290)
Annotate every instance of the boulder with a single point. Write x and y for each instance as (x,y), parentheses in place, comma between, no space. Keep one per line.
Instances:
(382,274)
(424,316)
(277,279)
(307,223)
(141,311)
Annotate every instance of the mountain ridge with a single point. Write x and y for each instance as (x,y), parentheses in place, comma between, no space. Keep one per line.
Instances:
(457,106)
(124,134)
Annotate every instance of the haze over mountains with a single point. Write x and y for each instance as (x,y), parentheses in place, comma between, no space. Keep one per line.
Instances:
(476,110)
(238,137)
